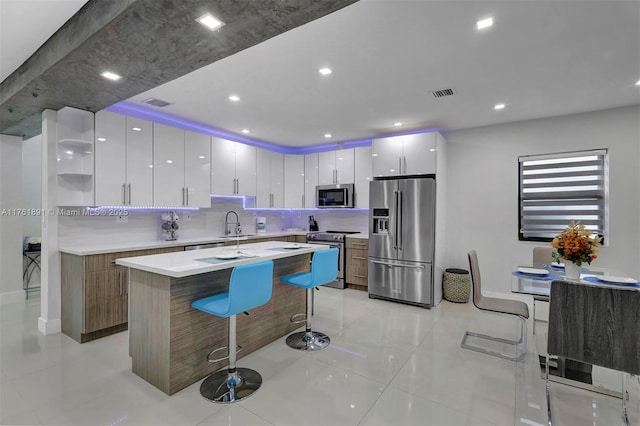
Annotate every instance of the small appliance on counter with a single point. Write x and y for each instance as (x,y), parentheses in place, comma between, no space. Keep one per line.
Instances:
(313,225)
(261,225)
(170,225)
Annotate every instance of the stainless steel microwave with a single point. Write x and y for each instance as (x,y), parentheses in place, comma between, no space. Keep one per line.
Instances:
(334,196)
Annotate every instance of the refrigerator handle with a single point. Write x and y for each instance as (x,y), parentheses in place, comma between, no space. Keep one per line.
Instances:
(400,227)
(395,230)
(394,265)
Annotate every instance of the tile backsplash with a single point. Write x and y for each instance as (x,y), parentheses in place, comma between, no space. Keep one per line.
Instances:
(145,225)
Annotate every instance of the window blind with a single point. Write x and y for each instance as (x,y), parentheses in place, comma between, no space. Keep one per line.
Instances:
(557,188)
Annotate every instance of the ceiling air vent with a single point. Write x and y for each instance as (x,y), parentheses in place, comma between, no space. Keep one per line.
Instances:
(443,92)
(156,102)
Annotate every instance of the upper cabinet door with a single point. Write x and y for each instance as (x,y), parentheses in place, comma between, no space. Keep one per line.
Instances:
(245,170)
(168,166)
(344,165)
(363,175)
(327,168)
(419,154)
(110,152)
(223,166)
(197,169)
(387,156)
(293,181)
(139,188)
(277,180)
(263,178)
(310,180)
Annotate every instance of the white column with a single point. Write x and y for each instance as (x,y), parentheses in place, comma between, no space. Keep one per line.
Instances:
(10,215)
(49,321)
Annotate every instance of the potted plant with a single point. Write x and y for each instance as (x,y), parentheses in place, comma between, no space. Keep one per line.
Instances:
(575,246)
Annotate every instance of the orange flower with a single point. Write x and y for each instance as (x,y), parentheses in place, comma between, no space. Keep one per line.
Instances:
(576,244)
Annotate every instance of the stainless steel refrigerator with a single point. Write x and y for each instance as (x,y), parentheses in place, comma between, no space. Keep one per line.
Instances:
(402,239)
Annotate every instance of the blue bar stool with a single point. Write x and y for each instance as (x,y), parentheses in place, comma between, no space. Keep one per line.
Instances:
(249,287)
(324,269)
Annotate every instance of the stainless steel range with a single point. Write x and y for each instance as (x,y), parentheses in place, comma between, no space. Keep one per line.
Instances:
(333,239)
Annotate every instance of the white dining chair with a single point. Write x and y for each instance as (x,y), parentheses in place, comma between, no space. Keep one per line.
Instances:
(501,306)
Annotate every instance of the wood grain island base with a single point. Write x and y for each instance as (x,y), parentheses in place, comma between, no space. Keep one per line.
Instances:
(169,340)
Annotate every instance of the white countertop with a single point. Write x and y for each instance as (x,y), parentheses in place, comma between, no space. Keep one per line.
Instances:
(185,263)
(89,248)
(361,236)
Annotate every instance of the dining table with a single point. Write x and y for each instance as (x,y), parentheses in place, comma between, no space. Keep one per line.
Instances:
(536,282)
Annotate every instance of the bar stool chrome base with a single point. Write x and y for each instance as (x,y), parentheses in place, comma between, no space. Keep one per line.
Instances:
(224,387)
(308,341)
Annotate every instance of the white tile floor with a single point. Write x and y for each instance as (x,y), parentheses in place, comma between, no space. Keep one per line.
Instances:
(388,364)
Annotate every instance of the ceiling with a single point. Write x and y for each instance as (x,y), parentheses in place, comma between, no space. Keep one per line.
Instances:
(541,59)
(26,24)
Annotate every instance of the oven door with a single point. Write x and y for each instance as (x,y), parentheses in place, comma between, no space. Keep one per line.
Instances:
(339,282)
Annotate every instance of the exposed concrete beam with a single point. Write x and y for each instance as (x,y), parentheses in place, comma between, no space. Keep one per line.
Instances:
(148,42)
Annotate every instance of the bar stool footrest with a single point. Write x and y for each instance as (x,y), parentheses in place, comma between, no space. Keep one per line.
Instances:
(238,349)
(295,321)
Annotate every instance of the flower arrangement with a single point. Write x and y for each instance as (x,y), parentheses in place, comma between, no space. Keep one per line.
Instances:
(576,244)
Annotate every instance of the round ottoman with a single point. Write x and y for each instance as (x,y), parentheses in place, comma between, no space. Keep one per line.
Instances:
(456,285)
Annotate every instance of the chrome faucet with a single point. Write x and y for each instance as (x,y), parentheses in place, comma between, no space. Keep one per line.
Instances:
(238,228)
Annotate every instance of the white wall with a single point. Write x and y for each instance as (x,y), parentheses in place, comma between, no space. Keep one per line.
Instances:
(10,220)
(482,202)
(32,184)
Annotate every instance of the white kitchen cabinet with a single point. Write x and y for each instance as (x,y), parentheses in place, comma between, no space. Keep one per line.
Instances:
(406,155)
(335,167)
(197,169)
(233,168)
(293,181)
(181,168)
(363,167)
(270,177)
(75,150)
(124,155)
(139,162)
(310,180)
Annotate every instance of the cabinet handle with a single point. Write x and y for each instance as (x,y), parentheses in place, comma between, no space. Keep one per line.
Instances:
(359,276)
(183,195)
(359,258)
(399,165)
(120,277)
(359,244)
(129,202)
(124,195)
(405,165)
(237,186)
(302,200)
(186,191)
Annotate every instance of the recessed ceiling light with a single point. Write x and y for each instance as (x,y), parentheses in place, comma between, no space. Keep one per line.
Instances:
(201,156)
(397,124)
(325,71)
(484,23)
(169,161)
(136,129)
(245,131)
(234,98)
(327,135)
(432,150)
(638,83)
(498,106)
(102,139)
(111,76)
(210,21)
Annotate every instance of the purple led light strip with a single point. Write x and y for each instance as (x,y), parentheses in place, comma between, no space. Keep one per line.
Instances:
(132,110)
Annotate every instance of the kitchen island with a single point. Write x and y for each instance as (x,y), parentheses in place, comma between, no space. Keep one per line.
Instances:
(169,340)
